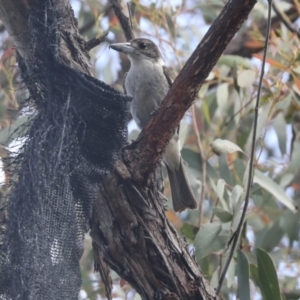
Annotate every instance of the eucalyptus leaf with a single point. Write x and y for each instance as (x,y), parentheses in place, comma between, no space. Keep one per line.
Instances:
(183,133)
(246,78)
(267,276)
(262,121)
(270,236)
(236,220)
(272,187)
(280,128)
(231,273)
(243,290)
(225,172)
(236,195)
(231,60)
(220,146)
(209,240)
(189,231)
(224,215)
(215,279)
(220,193)
(254,274)
(206,112)
(289,222)
(222,96)
(194,161)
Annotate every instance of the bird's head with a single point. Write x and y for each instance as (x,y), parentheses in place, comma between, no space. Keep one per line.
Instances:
(139,49)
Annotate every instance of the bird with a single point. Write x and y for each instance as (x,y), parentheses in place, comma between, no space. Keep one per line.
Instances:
(147,82)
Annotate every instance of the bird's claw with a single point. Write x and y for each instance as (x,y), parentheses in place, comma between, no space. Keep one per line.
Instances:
(154,111)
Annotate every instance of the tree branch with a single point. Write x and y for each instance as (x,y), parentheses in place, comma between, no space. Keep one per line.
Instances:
(148,149)
(129,226)
(14,15)
(92,43)
(124,21)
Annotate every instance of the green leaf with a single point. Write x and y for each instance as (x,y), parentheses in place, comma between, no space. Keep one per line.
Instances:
(220,146)
(222,96)
(215,279)
(194,161)
(220,188)
(243,290)
(231,60)
(272,187)
(236,220)
(220,193)
(280,128)
(289,222)
(270,236)
(225,172)
(246,78)
(231,273)
(235,196)
(254,274)
(267,275)
(184,131)
(222,214)
(239,170)
(189,231)
(209,240)
(205,112)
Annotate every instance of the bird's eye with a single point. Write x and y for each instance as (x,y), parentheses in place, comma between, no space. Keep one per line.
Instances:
(142,45)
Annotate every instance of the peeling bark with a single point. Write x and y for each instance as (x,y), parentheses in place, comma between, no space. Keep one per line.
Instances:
(142,246)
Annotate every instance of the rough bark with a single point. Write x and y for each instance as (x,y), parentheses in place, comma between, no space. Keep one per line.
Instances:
(129,228)
(14,15)
(144,248)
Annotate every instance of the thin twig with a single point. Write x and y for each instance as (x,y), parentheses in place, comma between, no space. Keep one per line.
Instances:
(203,179)
(238,112)
(236,234)
(129,12)
(124,21)
(285,20)
(92,43)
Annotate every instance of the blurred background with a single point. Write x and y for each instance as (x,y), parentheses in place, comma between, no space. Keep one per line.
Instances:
(224,109)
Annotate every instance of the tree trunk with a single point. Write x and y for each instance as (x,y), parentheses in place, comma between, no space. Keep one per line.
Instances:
(130,231)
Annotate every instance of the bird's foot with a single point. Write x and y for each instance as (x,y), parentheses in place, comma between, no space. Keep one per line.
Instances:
(154,111)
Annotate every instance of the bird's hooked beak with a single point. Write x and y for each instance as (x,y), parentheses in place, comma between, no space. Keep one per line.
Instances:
(122,47)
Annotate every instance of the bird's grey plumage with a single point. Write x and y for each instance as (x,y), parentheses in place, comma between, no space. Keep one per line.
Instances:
(148,82)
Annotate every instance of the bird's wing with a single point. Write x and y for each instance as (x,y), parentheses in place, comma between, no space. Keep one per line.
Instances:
(169,75)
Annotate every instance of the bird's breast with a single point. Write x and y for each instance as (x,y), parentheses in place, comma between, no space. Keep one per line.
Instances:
(147,85)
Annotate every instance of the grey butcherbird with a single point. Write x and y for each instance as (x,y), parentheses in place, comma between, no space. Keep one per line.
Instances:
(148,82)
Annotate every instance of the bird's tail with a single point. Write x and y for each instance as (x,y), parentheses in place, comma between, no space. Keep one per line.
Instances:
(182,194)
